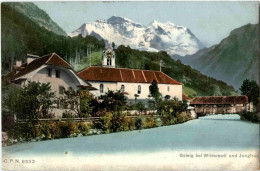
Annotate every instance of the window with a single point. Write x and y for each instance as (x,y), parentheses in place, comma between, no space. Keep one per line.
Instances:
(49,72)
(101,88)
(167,97)
(108,62)
(122,88)
(61,90)
(139,89)
(57,73)
(168,88)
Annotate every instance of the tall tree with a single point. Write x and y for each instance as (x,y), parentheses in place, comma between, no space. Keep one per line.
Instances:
(154,90)
(31,102)
(251,89)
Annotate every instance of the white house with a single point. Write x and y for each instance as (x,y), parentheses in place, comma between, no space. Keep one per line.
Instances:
(129,81)
(51,69)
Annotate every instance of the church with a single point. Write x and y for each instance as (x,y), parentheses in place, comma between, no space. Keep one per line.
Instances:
(134,83)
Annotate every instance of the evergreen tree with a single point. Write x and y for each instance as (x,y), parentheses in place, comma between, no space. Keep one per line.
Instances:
(113,45)
(251,89)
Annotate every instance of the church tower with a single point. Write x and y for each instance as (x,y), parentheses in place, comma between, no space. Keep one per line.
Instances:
(109,58)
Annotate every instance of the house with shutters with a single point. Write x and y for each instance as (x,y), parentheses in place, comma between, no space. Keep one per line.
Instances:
(131,82)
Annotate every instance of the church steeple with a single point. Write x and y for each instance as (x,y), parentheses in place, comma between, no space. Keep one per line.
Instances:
(109,58)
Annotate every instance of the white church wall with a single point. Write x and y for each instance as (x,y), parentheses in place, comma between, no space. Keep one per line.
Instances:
(174,90)
(106,86)
(132,89)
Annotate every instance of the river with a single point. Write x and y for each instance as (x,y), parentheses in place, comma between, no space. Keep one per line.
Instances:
(216,133)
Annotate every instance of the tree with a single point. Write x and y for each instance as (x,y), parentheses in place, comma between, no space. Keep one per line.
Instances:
(86,102)
(113,101)
(78,101)
(113,45)
(251,89)
(216,91)
(31,102)
(154,90)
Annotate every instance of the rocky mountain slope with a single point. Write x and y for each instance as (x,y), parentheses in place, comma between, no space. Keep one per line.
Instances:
(37,15)
(21,35)
(155,37)
(233,60)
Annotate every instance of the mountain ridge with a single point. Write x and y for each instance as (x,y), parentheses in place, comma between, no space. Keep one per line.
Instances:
(155,37)
(234,59)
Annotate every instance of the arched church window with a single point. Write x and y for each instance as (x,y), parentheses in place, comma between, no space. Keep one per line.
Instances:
(139,89)
(122,88)
(109,62)
(101,88)
(168,88)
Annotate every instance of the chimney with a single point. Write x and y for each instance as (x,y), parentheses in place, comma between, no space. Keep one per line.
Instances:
(18,63)
(31,57)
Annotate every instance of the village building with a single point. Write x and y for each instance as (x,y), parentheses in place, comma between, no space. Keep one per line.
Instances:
(51,69)
(220,105)
(134,83)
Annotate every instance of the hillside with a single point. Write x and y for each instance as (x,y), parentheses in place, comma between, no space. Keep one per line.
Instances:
(21,35)
(37,15)
(233,60)
(195,83)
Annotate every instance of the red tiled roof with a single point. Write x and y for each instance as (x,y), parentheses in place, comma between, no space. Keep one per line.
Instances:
(18,68)
(95,73)
(51,59)
(220,100)
(184,97)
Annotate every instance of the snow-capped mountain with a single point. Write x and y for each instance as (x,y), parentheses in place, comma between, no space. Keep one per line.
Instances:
(156,36)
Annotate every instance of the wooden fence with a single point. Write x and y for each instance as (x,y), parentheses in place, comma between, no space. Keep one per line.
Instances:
(90,119)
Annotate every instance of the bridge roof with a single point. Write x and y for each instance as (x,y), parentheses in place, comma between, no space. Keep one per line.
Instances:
(220,100)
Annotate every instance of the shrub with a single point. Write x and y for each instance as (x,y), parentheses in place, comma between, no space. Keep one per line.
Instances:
(140,107)
(106,123)
(127,124)
(250,116)
(149,122)
(83,128)
(138,123)
(68,129)
(168,120)
(157,122)
(68,114)
(24,131)
(49,130)
(183,117)
(114,122)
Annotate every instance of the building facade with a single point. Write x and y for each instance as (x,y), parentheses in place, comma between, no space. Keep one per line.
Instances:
(132,82)
(51,69)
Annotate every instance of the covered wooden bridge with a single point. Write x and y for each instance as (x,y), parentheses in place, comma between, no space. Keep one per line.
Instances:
(220,104)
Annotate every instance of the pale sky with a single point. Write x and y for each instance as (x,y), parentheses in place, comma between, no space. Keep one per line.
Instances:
(210,22)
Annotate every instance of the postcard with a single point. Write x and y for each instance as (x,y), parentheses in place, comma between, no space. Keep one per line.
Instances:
(127,85)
